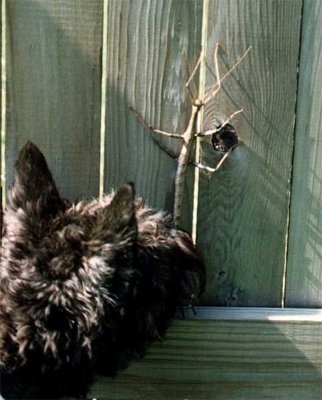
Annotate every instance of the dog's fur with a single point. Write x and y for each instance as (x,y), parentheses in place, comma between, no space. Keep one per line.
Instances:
(84,286)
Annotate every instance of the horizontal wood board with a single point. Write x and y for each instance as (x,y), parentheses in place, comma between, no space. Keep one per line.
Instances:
(304,270)
(243,209)
(202,360)
(54,75)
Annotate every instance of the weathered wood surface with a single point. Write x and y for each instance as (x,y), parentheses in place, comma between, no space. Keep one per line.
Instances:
(148,46)
(304,271)
(225,360)
(54,76)
(54,71)
(243,209)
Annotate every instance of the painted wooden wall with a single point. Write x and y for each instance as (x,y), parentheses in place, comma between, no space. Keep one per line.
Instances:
(53,88)
(304,273)
(259,217)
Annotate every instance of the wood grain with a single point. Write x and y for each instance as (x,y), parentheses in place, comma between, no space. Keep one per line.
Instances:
(54,77)
(149,44)
(243,209)
(304,272)
(255,314)
(54,51)
(225,360)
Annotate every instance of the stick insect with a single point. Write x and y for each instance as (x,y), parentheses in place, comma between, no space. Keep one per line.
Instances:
(189,135)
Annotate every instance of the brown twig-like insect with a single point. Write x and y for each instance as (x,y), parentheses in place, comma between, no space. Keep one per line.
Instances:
(189,135)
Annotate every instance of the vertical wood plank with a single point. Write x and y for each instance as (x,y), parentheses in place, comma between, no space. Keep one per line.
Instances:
(243,209)
(148,45)
(54,52)
(304,271)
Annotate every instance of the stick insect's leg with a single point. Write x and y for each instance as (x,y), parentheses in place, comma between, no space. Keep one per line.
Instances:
(171,153)
(193,73)
(217,66)
(150,127)
(187,85)
(212,131)
(216,168)
(202,166)
(215,88)
(209,96)
(162,146)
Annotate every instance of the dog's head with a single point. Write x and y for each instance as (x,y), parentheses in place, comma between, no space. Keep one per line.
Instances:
(72,274)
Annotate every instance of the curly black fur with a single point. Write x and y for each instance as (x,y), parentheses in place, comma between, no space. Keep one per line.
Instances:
(84,286)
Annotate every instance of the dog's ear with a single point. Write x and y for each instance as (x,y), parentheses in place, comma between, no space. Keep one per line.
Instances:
(34,188)
(118,218)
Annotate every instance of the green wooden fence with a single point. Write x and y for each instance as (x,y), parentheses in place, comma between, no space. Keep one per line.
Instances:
(259,216)
(72,68)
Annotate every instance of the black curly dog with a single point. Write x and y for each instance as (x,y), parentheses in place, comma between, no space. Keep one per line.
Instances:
(86,286)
